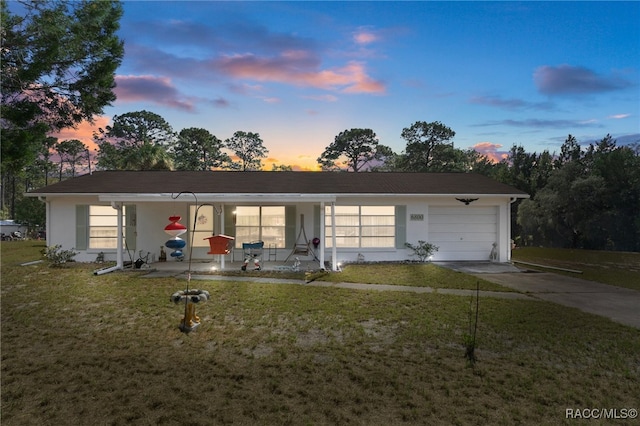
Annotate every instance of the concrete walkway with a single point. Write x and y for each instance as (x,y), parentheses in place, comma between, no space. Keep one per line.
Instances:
(360,286)
(616,303)
(619,304)
(165,273)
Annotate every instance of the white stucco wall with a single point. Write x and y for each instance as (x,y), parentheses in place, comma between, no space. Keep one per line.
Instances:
(61,224)
(152,217)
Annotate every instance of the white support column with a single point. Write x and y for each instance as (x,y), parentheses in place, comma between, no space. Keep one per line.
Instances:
(508,212)
(322,234)
(222,256)
(334,250)
(119,250)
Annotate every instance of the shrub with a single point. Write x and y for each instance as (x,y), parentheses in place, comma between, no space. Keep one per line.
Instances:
(57,256)
(422,250)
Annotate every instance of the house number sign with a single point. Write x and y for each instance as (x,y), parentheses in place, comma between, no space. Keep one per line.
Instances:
(415,216)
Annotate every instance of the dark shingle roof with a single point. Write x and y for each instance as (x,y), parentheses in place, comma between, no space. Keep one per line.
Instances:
(224,182)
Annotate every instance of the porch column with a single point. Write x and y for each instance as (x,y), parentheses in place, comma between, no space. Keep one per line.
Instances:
(322,234)
(334,250)
(222,256)
(119,249)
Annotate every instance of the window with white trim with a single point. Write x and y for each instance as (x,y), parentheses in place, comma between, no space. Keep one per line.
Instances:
(204,225)
(103,227)
(260,223)
(361,226)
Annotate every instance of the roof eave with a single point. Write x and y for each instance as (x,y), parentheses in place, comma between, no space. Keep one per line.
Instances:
(282,197)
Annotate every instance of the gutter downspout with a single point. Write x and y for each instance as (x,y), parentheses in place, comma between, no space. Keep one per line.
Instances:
(119,250)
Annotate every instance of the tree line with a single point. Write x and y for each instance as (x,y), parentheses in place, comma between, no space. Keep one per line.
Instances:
(580,197)
(58,63)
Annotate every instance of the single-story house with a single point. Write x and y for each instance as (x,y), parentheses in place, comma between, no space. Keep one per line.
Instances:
(351,216)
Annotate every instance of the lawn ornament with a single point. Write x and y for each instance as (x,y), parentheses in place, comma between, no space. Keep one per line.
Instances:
(175,229)
(493,256)
(190,298)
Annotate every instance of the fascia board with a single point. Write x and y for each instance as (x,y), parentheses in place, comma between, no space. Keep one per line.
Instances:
(218,198)
(401,195)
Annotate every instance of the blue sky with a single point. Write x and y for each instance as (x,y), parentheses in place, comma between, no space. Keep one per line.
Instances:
(299,73)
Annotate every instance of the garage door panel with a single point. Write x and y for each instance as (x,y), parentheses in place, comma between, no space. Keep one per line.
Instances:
(463,233)
(468,246)
(470,218)
(459,236)
(448,211)
(470,228)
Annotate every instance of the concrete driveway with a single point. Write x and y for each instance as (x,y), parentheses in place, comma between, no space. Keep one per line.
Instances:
(616,303)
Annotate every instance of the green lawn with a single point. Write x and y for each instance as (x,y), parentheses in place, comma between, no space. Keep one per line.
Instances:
(411,274)
(615,268)
(83,349)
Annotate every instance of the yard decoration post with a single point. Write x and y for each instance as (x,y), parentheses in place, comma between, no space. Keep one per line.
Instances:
(190,297)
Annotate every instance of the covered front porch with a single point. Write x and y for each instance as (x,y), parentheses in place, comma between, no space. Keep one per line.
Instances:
(290,230)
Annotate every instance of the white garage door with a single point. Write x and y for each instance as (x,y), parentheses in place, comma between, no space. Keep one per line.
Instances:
(463,233)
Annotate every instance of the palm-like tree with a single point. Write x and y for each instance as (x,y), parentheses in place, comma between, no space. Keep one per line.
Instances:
(147,157)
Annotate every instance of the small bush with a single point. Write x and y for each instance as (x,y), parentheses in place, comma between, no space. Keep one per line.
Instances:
(422,250)
(57,256)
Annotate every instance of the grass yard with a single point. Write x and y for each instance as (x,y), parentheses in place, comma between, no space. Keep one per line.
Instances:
(84,350)
(621,269)
(411,274)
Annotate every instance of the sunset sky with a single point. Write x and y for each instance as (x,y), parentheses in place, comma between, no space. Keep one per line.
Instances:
(299,73)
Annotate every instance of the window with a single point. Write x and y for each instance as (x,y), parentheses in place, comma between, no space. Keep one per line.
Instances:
(204,225)
(260,223)
(361,226)
(103,227)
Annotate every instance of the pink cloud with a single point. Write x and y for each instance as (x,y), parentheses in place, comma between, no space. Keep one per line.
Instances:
(159,90)
(491,151)
(363,36)
(83,131)
(301,69)
(361,82)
